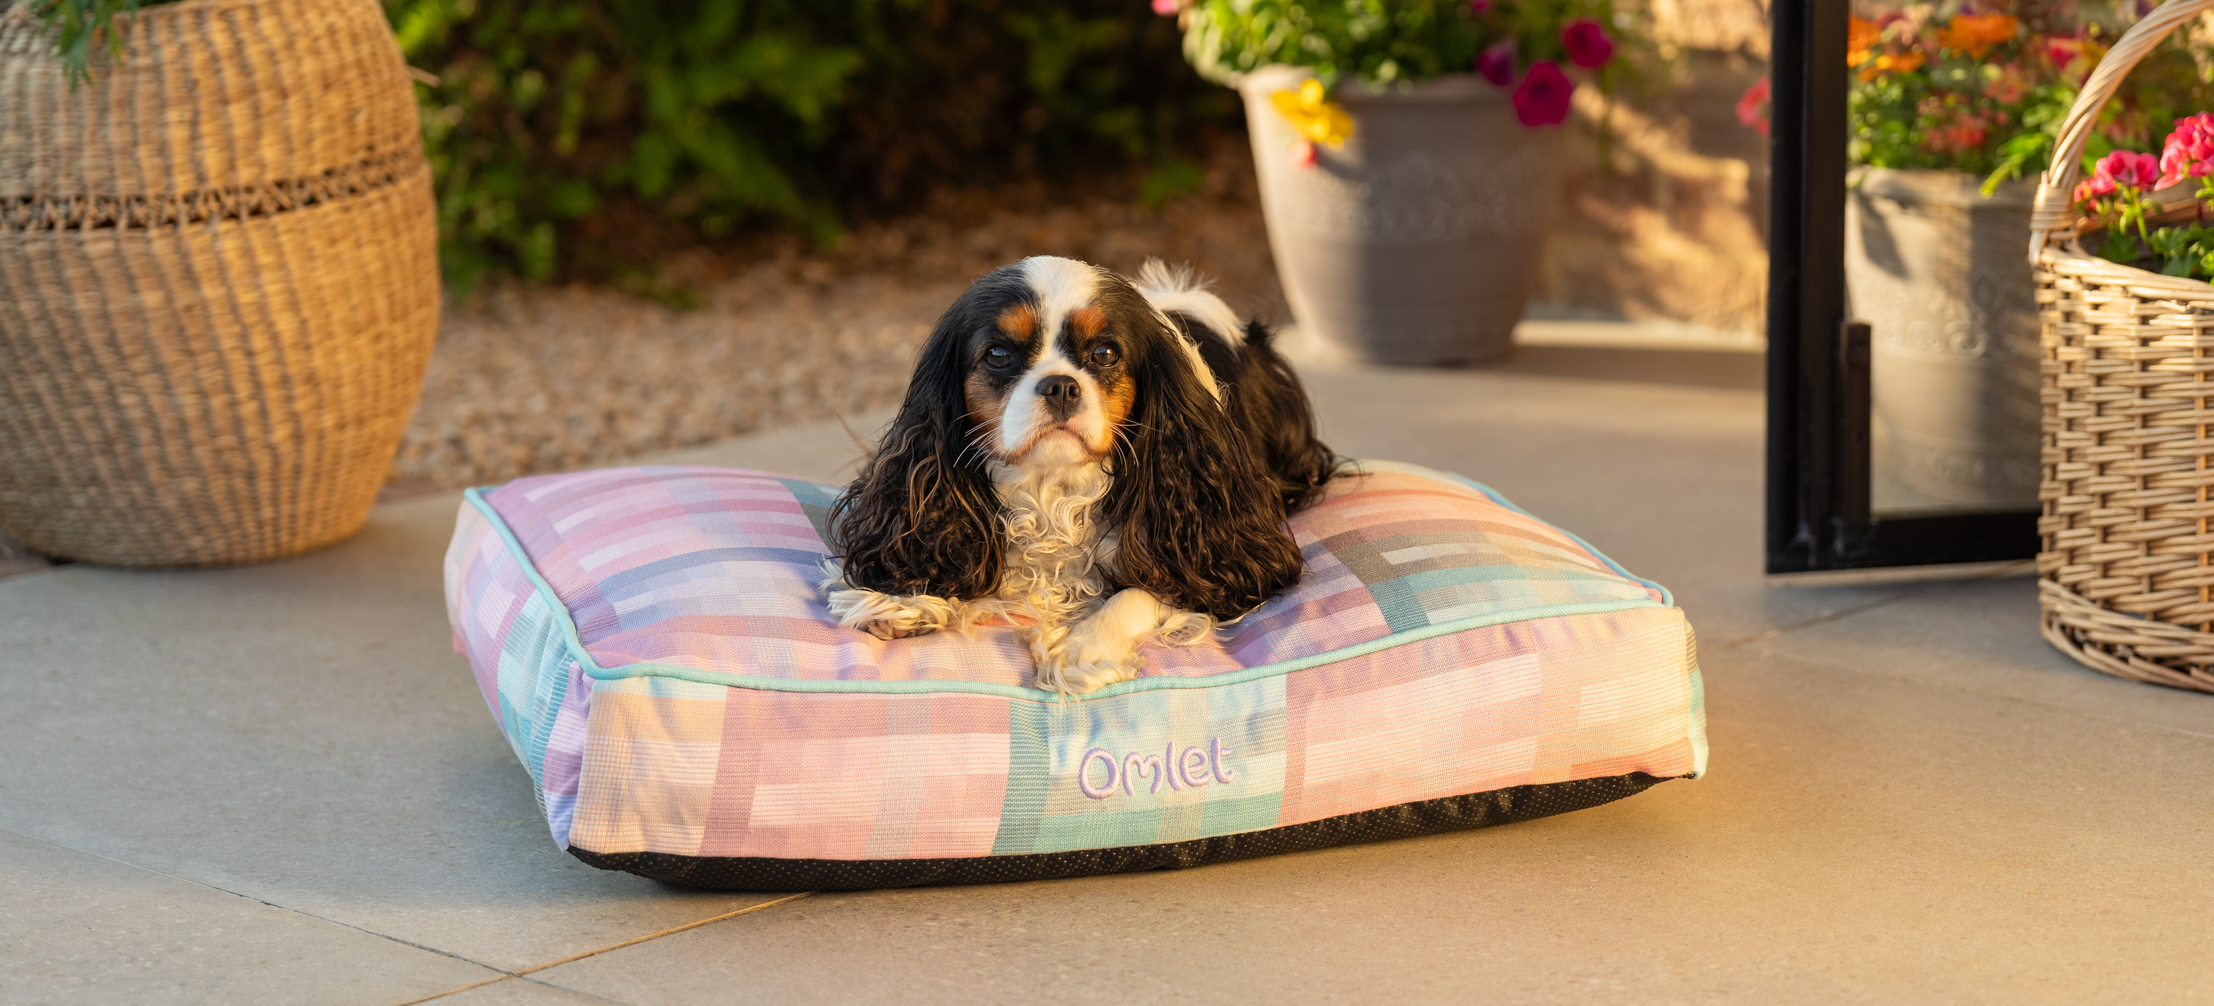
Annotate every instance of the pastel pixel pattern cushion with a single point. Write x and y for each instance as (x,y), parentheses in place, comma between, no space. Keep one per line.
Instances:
(655,646)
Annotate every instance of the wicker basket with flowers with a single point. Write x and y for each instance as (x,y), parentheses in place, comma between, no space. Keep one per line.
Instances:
(2127,568)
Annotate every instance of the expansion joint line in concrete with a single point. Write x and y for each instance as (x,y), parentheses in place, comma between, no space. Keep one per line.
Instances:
(300,912)
(1768,634)
(505,975)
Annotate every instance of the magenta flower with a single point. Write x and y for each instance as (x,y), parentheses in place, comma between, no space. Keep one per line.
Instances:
(1542,97)
(1167,8)
(1587,44)
(2189,152)
(2127,167)
(1479,7)
(1752,106)
(2116,171)
(1496,62)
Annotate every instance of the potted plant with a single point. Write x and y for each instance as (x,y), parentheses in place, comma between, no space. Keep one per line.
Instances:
(1407,155)
(218,275)
(1952,108)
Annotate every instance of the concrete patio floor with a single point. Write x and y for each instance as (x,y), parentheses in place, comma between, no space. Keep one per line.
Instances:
(279,784)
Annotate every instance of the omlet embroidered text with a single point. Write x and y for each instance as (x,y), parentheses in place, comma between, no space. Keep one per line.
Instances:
(1180,768)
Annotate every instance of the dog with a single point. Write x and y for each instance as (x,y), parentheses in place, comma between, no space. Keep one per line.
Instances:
(1111,459)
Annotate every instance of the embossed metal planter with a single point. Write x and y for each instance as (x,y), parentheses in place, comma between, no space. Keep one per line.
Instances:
(1937,271)
(1420,240)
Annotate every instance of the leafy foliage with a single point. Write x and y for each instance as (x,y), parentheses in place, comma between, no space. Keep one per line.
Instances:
(541,110)
(1940,85)
(1374,40)
(567,133)
(79,25)
(587,136)
(1382,42)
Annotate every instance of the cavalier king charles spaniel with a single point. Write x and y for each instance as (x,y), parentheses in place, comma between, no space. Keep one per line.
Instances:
(1100,461)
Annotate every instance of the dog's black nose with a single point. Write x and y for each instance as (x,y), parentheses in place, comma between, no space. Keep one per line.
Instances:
(1061,394)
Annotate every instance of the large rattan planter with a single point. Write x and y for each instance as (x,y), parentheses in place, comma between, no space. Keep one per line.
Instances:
(218,282)
(2127,569)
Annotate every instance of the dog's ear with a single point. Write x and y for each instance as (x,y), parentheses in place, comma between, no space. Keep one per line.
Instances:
(1199,518)
(921,516)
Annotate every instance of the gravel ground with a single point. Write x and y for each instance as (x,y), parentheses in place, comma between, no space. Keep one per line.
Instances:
(536,379)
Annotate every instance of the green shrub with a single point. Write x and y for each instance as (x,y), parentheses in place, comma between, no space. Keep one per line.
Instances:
(569,136)
(584,136)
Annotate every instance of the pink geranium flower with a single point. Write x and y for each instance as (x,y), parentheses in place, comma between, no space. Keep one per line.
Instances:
(2118,170)
(1542,97)
(1752,106)
(2128,167)
(1587,44)
(1496,62)
(2189,152)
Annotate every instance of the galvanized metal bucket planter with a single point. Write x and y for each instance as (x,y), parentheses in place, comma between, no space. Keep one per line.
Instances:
(1936,270)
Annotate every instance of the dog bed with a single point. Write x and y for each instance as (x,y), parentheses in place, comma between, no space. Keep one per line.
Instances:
(655,646)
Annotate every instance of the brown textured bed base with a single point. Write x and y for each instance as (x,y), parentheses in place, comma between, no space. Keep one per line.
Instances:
(1407,820)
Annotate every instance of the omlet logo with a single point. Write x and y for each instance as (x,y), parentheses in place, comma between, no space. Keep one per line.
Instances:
(1186,768)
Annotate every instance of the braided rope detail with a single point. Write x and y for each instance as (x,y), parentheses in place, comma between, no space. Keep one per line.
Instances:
(32,214)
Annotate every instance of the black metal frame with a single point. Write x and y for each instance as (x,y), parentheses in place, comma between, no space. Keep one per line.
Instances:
(1818,465)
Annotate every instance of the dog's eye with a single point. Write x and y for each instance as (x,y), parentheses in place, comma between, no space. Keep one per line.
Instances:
(1105,355)
(999,358)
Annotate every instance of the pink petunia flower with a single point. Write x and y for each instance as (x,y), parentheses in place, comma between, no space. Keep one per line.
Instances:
(1542,97)
(1496,62)
(2189,151)
(1587,43)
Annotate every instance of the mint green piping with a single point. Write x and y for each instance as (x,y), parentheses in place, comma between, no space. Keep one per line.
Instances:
(592,669)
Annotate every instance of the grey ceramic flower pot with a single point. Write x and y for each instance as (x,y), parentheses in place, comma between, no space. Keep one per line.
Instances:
(1937,271)
(1419,241)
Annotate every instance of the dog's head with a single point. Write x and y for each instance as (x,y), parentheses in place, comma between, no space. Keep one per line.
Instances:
(1057,354)
(1051,365)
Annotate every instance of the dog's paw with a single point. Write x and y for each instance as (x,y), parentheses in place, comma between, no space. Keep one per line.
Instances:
(1083,677)
(889,631)
(1086,660)
(887,617)
(1186,628)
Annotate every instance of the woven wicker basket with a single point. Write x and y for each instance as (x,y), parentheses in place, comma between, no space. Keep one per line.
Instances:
(2127,569)
(218,282)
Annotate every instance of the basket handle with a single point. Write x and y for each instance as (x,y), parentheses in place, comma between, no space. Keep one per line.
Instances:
(2053,212)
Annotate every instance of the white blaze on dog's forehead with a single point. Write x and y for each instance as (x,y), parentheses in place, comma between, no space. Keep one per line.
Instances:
(1062,286)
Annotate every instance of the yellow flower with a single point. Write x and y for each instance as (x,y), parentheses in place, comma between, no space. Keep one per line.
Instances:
(1974,35)
(1906,62)
(1314,118)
